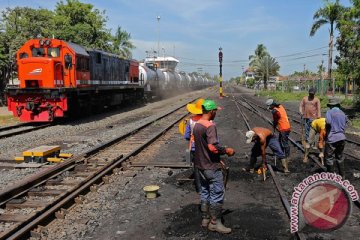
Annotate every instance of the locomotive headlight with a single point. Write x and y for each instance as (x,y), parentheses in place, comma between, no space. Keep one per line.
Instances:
(41,42)
(47,42)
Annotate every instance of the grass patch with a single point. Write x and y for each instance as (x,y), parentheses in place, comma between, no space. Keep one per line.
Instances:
(282,96)
(297,96)
(355,123)
(8,120)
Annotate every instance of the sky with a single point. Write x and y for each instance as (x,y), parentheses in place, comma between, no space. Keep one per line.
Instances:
(194,30)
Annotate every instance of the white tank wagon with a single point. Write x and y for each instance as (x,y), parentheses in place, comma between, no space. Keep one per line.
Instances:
(153,79)
(160,77)
(172,80)
(187,80)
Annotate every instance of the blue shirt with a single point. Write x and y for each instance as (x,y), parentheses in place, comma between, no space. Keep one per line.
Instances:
(335,125)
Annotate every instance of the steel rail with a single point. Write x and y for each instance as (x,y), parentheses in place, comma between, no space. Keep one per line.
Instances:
(84,187)
(283,198)
(291,140)
(357,203)
(299,122)
(23,187)
(10,134)
(14,126)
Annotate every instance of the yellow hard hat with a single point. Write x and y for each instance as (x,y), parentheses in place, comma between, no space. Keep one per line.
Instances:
(195,108)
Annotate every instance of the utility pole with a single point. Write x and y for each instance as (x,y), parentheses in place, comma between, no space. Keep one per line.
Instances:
(321,79)
(220,62)
(158,19)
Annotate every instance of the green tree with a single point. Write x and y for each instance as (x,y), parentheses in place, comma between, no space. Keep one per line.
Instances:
(83,24)
(260,52)
(331,14)
(265,67)
(121,43)
(17,26)
(348,44)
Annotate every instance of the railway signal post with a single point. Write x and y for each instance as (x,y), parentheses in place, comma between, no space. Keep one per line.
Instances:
(220,62)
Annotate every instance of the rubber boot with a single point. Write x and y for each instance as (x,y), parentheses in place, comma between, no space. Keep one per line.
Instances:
(215,223)
(341,167)
(204,207)
(285,164)
(307,150)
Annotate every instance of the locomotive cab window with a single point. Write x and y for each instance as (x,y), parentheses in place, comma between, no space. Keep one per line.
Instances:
(23,55)
(53,52)
(82,64)
(68,61)
(38,52)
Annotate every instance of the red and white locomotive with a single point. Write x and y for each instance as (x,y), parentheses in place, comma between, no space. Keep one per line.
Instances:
(59,78)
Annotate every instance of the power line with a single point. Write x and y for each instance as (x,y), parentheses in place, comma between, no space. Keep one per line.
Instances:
(299,53)
(246,60)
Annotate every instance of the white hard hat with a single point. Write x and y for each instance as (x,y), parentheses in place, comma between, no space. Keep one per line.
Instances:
(249,136)
(269,102)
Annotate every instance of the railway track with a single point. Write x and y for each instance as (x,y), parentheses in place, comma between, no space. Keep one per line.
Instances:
(292,177)
(34,201)
(296,119)
(21,128)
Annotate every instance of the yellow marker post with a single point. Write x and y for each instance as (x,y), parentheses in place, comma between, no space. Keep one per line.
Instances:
(220,61)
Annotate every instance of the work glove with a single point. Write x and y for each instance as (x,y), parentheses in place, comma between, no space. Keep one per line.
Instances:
(229,151)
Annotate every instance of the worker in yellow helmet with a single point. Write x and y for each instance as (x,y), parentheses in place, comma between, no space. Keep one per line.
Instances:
(317,127)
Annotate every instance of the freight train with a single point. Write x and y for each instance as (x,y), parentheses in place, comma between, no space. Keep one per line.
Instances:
(59,79)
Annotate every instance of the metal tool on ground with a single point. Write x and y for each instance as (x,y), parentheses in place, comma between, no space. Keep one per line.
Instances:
(43,154)
(303,141)
(321,156)
(264,170)
(226,171)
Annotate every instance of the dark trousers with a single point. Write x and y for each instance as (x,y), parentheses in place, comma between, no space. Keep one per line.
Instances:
(274,145)
(284,142)
(196,174)
(212,187)
(307,127)
(334,152)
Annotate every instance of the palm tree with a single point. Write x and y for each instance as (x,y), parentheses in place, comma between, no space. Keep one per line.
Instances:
(331,14)
(122,44)
(260,52)
(265,67)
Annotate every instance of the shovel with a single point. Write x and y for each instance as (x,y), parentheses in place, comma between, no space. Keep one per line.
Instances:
(303,142)
(264,170)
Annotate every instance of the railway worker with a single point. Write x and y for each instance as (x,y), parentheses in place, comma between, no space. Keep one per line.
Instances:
(309,110)
(207,160)
(317,127)
(196,110)
(263,137)
(336,121)
(281,122)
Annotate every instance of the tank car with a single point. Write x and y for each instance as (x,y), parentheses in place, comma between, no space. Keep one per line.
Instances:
(58,78)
